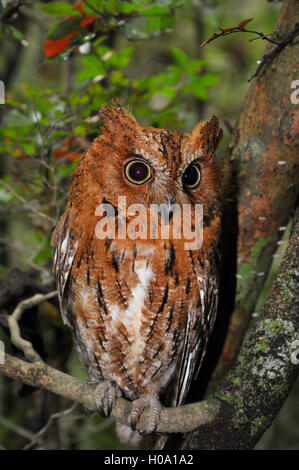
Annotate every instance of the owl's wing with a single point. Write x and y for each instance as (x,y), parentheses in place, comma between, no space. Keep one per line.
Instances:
(66,248)
(198,330)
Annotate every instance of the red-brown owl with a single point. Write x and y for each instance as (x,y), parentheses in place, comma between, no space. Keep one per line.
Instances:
(141,308)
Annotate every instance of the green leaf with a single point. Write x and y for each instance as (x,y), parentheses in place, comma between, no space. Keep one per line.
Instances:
(179,55)
(127,8)
(193,66)
(155,10)
(61,29)
(139,3)
(123,57)
(91,68)
(153,24)
(16,32)
(28,148)
(167,22)
(65,170)
(209,79)
(169,92)
(198,85)
(112,6)
(60,9)
(93,7)
(43,256)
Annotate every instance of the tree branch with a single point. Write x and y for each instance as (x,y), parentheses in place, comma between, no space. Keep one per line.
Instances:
(269,56)
(266,368)
(263,156)
(244,405)
(13,324)
(41,375)
(27,205)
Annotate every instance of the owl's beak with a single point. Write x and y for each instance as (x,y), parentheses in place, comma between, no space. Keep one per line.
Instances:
(169,200)
(168,207)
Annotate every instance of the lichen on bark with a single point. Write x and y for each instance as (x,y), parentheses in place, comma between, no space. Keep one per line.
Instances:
(263,153)
(266,368)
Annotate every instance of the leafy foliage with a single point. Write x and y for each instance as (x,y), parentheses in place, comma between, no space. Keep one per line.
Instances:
(52,129)
(84,54)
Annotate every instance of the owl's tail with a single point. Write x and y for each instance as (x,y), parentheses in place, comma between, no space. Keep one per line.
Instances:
(138,442)
(126,435)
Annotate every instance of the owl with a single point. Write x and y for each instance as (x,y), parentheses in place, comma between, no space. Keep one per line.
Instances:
(140,303)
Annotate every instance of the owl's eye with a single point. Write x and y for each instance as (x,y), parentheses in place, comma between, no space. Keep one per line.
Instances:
(138,171)
(191,177)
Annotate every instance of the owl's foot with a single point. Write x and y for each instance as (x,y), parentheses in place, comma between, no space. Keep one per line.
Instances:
(105,395)
(139,405)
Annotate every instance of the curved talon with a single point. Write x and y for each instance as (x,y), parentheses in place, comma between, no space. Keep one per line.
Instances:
(144,401)
(134,417)
(106,392)
(100,409)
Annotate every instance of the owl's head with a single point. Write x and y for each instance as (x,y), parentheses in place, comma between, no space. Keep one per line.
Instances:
(150,165)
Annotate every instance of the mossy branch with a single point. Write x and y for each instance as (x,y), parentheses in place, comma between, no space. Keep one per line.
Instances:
(264,188)
(266,369)
(248,399)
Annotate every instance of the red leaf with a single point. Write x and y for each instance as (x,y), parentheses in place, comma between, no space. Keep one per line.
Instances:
(215,35)
(53,47)
(243,23)
(227,29)
(69,148)
(79,7)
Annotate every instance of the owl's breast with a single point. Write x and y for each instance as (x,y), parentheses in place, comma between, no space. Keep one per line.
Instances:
(131,307)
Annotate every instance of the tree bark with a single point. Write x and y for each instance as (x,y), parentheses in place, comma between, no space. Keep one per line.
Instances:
(266,368)
(263,152)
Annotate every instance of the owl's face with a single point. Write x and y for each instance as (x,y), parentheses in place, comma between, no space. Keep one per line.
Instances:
(149,165)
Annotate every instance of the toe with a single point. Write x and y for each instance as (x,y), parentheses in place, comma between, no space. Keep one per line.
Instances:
(99,396)
(136,412)
(106,394)
(146,401)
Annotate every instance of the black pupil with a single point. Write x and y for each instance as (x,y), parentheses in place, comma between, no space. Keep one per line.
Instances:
(190,176)
(138,171)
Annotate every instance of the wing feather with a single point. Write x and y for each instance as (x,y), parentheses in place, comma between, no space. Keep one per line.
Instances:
(198,330)
(65,251)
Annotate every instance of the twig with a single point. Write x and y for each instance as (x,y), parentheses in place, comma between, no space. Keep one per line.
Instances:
(27,204)
(13,319)
(19,248)
(57,120)
(238,29)
(277,328)
(20,430)
(36,437)
(268,57)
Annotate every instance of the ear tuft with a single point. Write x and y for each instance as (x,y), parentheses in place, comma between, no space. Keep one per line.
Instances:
(207,135)
(114,115)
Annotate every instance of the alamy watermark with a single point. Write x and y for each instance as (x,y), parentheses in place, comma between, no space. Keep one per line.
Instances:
(2,353)
(158,221)
(2,92)
(295,94)
(295,352)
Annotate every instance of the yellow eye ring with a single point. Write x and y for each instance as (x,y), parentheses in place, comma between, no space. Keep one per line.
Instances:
(191,177)
(138,171)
